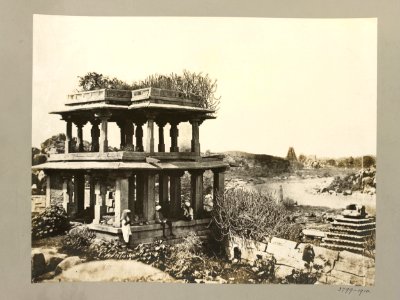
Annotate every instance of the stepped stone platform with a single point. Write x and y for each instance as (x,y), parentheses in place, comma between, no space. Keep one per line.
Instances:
(152,232)
(350,231)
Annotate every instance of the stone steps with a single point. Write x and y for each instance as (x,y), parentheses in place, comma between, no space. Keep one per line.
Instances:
(353,220)
(342,247)
(355,231)
(342,242)
(352,225)
(347,236)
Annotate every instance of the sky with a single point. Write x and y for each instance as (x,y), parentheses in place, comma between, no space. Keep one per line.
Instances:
(310,84)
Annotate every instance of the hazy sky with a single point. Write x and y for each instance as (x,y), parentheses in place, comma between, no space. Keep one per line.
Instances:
(306,83)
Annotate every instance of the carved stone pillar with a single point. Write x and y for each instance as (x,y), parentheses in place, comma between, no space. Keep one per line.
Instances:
(174,133)
(150,135)
(163,189)
(79,138)
(149,183)
(161,143)
(219,184)
(121,125)
(175,209)
(48,190)
(100,207)
(196,192)
(195,136)
(129,131)
(68,137)
(121,198)
(104,116)
(139,137)
(95,133)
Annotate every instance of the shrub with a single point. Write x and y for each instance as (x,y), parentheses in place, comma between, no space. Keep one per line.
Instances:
(52,221)
(78,240)
(250,215)
(196,86)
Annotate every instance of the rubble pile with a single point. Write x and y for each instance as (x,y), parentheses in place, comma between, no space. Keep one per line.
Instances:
(363,181)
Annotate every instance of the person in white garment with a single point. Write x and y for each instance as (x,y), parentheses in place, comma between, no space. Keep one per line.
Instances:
(126,225)
(187,211)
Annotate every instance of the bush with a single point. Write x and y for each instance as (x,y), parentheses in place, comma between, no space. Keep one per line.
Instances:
(249,215)
(78,240)
(52,221)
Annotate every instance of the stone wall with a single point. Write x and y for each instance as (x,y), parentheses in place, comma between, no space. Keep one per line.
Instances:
(337,267)
(56,193)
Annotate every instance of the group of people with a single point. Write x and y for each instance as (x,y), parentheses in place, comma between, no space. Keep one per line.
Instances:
(159,219)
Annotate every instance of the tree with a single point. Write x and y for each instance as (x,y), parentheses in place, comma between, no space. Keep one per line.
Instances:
(368,161)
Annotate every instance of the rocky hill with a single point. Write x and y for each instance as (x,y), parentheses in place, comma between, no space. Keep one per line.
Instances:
(258,165)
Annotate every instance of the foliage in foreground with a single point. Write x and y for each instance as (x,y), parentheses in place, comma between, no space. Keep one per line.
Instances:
(52,221)
(196,86)
(189,261)
(252,215)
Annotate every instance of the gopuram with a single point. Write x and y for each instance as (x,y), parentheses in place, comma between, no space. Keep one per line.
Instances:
(97,186)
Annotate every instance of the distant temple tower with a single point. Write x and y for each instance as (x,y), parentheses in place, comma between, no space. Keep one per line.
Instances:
(291,155)
(142,173)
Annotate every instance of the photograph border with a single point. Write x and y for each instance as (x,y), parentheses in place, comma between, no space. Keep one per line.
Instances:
(16,119)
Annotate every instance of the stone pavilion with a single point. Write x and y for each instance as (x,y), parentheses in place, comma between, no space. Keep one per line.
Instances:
(96,186)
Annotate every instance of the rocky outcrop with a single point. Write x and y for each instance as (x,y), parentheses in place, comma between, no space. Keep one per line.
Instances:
(363,181)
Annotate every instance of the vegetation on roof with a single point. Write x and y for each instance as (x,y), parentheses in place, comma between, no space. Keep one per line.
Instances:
(196,86)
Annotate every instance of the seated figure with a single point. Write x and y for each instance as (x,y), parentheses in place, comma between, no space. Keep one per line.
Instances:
(188,211)
(160,219)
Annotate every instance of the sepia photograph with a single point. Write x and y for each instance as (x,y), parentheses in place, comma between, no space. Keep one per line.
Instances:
(212,150)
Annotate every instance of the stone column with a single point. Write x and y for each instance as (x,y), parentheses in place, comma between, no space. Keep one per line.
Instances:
(79,192)
(161,143)
(79,139)
(69,204)
(139,137)
(150,135)
(121,125)
(195,136)
(196,192)
(95,133)
(163,189)
(129,131)
(174,133)
(48,190)
(100,206)
(131,196)
(149,185)
(68,137)
(219,184)
(92,185)
(175,195)
(139,194)
(103,131)
(121,198)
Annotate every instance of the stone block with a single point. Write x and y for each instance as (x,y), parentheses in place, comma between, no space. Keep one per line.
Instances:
(282,271)
(283,242)
(38,263)
(68,263)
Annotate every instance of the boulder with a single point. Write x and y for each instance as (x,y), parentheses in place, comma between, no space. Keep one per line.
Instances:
(114,271)
(347,192)
(46,276)
(282,271)
(68,263)
(38,263)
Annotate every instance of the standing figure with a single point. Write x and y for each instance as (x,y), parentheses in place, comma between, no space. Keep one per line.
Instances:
(188,211)
(126,225)
(160,219)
